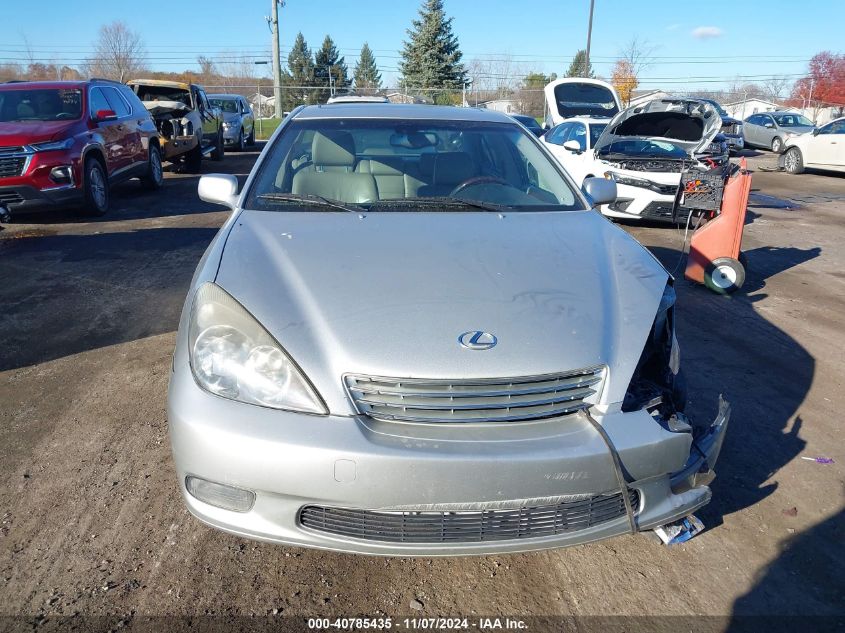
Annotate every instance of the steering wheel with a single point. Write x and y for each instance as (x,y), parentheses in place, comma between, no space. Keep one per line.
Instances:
(477,180)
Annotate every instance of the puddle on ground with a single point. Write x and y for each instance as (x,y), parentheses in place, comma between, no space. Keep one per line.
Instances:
(761,200)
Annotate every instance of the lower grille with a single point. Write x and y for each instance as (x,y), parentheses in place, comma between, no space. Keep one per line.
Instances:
(11,166)
(469,526)
(10,197)
(474,400)
(658,210)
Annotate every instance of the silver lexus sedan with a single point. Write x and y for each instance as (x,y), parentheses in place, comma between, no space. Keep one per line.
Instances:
(414,336)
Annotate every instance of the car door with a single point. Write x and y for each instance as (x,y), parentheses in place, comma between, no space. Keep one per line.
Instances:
(577,164)
(209,121)
(828,146)
(749,129)
(109,129)
(554,141)
(768,131)
(130,134)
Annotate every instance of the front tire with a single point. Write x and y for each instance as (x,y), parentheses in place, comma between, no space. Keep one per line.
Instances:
(794,161)
(724,275)
(777,145)
(155,172)
(217,153)
(95,189)
(241,146)
(251,140)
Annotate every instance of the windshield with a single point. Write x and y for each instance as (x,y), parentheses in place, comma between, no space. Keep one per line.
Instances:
(528,121)
(227,105)
(41,104)
(163,93)
(644,148)
(408,165)
(792,120)
(579,99)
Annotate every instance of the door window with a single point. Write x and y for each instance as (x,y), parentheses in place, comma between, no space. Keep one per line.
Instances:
(557,134)
(837,127)
(117,102)
(578,133)
(97,101)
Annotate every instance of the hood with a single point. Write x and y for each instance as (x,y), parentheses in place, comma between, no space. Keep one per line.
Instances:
(388,294)
(15,133)
(687,123)
(166,107)
(232,117)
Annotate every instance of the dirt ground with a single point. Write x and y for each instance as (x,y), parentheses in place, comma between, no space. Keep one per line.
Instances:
(91,521)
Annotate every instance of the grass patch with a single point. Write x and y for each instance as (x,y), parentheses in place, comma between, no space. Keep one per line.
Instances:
(264,128)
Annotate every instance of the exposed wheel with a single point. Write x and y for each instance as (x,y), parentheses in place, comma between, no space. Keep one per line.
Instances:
(743,260)
(724,275)
(793,161)
(241,146)
(155,173)
(95,188)
(251,140)
(777,145)
(217,152)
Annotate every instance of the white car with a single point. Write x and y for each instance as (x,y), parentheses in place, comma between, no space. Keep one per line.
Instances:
(646,147)
(823,148)
(572,142)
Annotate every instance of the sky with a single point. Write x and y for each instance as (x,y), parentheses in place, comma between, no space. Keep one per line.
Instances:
(704,49)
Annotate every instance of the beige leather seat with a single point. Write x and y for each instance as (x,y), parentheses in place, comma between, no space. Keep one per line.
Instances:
(332,174)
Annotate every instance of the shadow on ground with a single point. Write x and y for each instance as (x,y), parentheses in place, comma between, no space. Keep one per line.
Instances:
(66,294)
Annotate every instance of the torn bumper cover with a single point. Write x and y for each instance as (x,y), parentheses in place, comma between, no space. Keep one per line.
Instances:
(706,446)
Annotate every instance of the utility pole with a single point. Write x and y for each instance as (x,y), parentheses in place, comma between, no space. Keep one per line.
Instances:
(589,37)
(277,61)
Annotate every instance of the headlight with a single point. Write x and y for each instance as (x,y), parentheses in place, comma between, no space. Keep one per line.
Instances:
(233,356)
(50,146)
(628,180)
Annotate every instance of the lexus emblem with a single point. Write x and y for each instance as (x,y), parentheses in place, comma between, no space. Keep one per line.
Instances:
(477,340)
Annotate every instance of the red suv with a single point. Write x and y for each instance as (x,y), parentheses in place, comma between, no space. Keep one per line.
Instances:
(65,142)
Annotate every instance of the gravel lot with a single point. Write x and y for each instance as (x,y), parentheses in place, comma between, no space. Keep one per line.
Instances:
(91,521)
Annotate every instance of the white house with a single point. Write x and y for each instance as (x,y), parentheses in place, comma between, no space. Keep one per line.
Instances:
(743,109)
(639,97)
(508,106)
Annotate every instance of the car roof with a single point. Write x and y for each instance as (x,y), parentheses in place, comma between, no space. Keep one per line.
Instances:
(224,95)
(22,85)
(400,111)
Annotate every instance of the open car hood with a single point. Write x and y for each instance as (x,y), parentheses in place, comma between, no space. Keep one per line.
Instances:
(687,123)
(166,107)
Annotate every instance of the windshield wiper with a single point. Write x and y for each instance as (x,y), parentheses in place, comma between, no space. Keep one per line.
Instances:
(307,198)
(445,201)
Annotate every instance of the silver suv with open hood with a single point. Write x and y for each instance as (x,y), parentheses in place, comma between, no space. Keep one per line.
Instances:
(646,147)
(415,337)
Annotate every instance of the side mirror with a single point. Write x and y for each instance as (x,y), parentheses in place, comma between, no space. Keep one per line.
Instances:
(599,190)
(573,146)
(219,189)
(815,131)
(771,126)
(105,115)
(546,127)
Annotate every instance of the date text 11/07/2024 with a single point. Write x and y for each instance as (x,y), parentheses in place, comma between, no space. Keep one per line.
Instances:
(422,623)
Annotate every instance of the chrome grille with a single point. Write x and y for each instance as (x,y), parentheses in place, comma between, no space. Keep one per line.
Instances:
(12,161)
(474,400)
(467,526)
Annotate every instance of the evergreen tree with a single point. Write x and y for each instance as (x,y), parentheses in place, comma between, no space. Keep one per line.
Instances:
(300,75)
(329,63)
(431,58)
(579,66)
(367,76)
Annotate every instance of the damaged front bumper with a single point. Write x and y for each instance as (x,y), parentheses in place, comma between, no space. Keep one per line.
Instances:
(357,485)
(177,145)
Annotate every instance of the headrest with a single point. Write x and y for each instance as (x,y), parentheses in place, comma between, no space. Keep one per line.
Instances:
(333,148)
(447,168)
